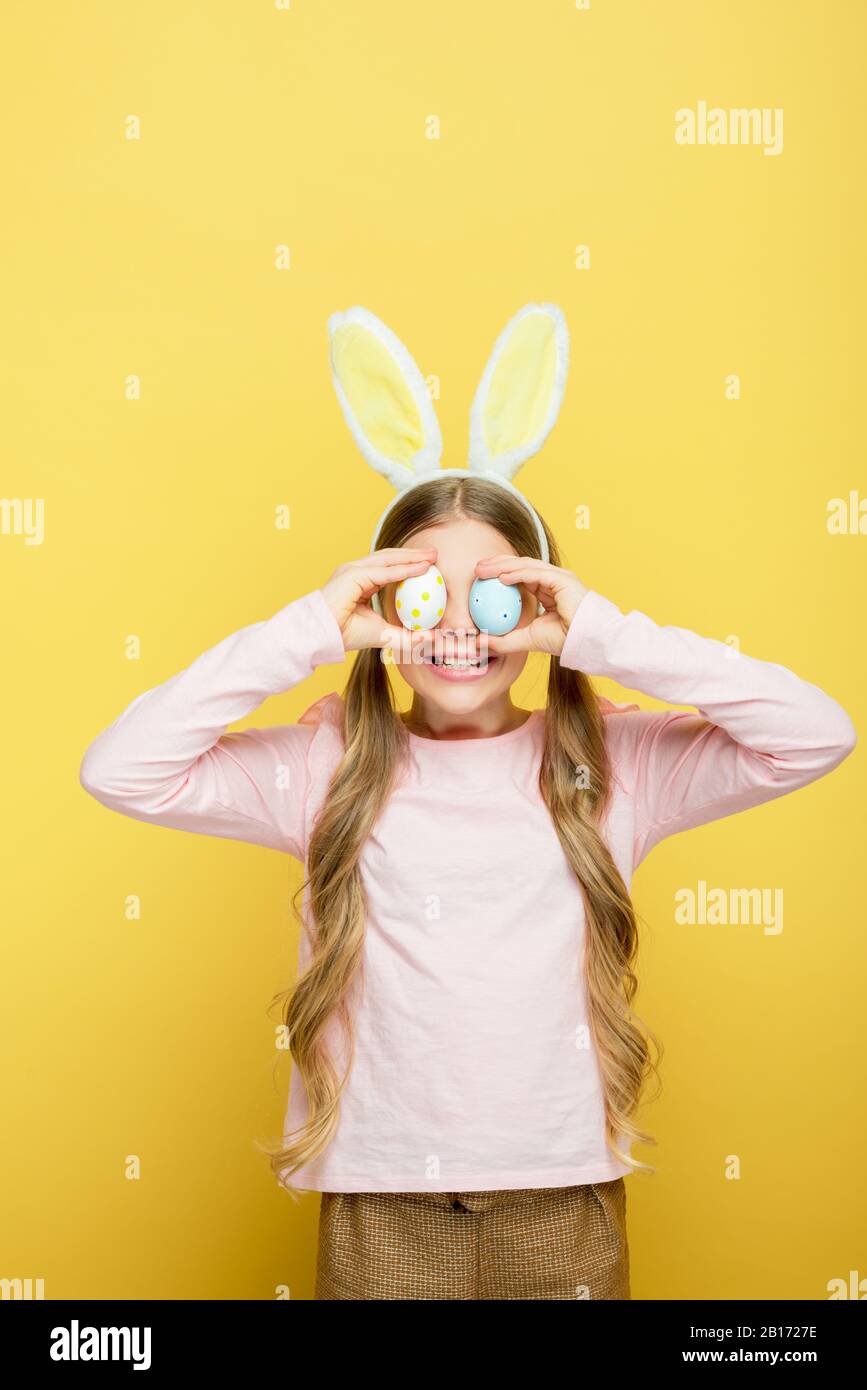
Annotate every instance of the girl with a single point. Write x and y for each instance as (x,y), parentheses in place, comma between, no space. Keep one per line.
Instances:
(467,1062)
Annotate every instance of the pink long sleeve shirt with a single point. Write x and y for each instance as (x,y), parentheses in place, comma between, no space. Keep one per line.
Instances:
(472,1067)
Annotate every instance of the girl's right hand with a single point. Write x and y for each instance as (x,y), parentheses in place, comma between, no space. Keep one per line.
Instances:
(351,586)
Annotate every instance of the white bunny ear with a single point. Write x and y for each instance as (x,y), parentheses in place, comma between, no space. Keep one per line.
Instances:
(519,396)
(384,398)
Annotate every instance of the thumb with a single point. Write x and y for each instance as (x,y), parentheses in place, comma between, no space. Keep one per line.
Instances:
(401,639)
(518,640)
(541,635)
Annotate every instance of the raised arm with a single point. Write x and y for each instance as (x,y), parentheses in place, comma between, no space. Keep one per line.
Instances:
(168,759)
(761,731)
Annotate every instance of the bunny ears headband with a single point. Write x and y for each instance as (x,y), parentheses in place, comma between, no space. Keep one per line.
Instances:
(391,416)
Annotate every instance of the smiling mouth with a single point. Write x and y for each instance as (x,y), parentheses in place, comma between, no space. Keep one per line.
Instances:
(460,669)
(459,663)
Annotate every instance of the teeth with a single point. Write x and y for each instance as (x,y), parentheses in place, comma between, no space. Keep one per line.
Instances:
(457,665)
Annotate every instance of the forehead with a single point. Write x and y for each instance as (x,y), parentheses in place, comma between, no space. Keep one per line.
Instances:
(462,541)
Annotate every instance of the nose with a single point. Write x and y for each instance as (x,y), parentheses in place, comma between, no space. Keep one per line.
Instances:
(456,632)
(456,618)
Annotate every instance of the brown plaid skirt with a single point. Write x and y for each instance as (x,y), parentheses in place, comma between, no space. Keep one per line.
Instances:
(533,1243)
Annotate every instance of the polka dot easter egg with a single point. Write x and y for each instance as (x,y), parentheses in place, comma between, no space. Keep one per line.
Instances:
(495,607)
(421,600)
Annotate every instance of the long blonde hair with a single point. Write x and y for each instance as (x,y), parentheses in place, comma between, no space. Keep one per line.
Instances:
(375,745)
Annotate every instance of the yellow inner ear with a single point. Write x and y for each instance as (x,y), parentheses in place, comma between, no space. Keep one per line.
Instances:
(380,399)
(521,386)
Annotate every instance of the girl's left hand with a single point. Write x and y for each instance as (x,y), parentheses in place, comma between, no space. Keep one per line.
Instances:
(558,590)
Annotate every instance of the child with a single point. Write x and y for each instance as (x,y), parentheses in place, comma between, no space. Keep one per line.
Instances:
(467,1062)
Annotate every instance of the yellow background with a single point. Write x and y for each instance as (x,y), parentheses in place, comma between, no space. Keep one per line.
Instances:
(262,127)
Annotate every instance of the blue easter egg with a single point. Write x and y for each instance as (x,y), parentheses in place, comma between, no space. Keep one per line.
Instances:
(495,607)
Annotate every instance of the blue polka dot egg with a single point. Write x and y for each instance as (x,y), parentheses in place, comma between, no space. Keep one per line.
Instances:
(495,607)
(421,599)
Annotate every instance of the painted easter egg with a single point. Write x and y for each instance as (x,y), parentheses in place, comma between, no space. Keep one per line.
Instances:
(495,607)
(421,599)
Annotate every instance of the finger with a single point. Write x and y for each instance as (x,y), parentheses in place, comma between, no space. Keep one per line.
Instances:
(396,553)
(389,634)
(536,587)
(520,569)
(501,562)
(400,643)
(545,597)
(518,640)
(397,638)
(531,574)
(531,638)
(374,576)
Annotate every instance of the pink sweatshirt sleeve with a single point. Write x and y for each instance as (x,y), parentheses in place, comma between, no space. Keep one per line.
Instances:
(167,758)
(764,730)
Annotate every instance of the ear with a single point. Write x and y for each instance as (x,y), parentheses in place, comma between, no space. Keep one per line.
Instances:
(384,398)
(521,390)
